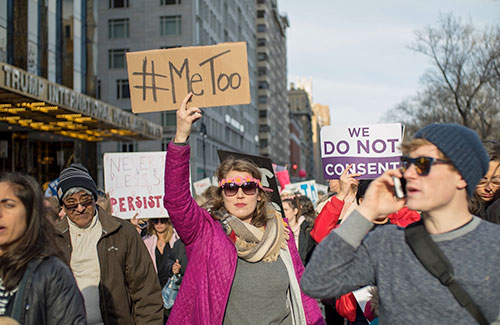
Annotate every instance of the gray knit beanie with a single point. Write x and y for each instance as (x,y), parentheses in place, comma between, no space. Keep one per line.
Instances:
(462,147)
(76,175)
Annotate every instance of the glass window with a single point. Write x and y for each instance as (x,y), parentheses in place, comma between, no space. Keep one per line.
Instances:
(261,13)
(263,85)
(170,2)
(118,3)
(118,28)
(263,113)
(262,71)
(170,118)
(261,28)
(261,42)
(122,89)
(261,56)
(262,99)
(170,25)
(117,58)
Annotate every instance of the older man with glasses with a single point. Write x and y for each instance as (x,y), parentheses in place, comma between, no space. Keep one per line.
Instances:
(442,166)
(108,258)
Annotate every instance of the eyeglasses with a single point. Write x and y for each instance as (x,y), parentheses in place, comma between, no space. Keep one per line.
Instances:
(494,181)
(249,188)
(422,164)
(71,206)
(158,220)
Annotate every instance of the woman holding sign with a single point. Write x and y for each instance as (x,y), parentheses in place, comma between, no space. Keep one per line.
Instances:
(243,266)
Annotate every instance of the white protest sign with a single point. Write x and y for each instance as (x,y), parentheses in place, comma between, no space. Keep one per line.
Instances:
(372,149)
(307,188)
(135,183)
(201,185)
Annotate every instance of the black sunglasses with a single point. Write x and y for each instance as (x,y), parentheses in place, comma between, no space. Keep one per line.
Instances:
(158,220)
(249,188)
(73,205)
(422,164)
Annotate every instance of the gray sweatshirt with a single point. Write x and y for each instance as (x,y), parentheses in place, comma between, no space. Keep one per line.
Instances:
(349,258)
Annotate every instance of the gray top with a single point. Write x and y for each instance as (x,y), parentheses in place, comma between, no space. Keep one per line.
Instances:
(258,294)
(409,294)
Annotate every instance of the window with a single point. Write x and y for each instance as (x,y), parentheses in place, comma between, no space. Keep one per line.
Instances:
(263,113)
(261,42)
(262,71)
(98,90)
(170,2)
(118,4)
(117,58)
(263,85)
(170,25)
(262,99)
(128,147)
(118,28)
(261,13)
(169,47)
(261,28)
(168,118)
(261,56)
(263,128)
(263,143)
(122,89)
(261,1)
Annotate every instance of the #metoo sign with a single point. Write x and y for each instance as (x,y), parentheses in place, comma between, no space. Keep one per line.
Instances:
(372,149)
(217,75)
(134,181)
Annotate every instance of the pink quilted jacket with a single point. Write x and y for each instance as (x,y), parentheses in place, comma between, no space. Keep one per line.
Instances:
(212,256)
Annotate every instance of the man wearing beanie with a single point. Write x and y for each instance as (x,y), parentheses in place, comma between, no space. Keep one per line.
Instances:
(442,166)
(111,265)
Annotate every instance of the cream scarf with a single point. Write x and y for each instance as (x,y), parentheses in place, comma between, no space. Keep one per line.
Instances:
(255,244)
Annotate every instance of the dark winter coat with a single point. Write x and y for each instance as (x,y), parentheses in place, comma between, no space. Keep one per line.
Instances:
(51,296)
(129,291)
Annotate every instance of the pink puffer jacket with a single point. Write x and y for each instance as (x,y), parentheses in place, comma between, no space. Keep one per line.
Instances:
(212,256)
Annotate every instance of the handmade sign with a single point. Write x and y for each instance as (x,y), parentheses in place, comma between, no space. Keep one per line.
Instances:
(268,179)
(307,188)
(134,181)
(160,79)
(372,149)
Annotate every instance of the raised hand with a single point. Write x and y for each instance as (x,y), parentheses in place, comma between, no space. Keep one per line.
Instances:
(348,184)
(186,116)
(379,199)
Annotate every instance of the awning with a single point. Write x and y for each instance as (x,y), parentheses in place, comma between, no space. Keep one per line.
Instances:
(32,102)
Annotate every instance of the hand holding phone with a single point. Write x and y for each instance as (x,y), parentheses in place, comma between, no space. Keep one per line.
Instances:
(399,187)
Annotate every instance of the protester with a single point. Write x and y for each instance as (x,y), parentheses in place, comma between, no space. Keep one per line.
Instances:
(243,265)
(485,202)
(36,287)
(444,163)
(110,263)
(300,227)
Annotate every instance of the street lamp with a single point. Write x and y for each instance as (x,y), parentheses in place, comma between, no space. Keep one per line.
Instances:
(203,135)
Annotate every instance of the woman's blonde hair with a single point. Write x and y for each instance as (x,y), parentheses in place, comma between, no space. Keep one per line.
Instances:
(167,235)
(241,165)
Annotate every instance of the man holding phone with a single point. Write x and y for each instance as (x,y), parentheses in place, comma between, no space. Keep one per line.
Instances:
(442,166)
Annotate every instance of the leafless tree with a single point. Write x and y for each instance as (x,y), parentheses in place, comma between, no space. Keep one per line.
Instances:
(463,83)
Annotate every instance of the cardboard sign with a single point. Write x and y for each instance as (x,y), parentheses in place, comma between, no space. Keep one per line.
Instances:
(160,79)
(135,183)
(307,188)
(372,149)
(268,179)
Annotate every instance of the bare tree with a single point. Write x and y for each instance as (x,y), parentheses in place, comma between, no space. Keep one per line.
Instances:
(463,83)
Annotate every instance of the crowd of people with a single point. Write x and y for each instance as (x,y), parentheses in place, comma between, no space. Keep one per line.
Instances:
(229,257)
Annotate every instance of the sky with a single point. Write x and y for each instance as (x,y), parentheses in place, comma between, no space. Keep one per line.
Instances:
(357,52)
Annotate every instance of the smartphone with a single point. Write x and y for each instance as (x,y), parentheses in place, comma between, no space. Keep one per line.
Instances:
(399,187)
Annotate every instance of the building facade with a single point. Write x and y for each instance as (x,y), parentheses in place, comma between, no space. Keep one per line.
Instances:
(300,109)
(320,118)
(272,82)
(49,116)
(126,25)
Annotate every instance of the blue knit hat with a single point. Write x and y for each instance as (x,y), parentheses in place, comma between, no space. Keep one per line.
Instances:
(462,147)
(76,175)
